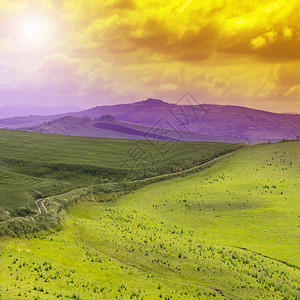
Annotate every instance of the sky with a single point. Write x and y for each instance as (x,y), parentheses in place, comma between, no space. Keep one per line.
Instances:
(92,52)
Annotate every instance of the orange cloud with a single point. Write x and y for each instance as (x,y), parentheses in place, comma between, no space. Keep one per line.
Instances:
(240,52)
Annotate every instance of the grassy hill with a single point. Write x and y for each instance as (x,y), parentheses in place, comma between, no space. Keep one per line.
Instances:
(85,126)
(177,239)
(34,166)
(207,119)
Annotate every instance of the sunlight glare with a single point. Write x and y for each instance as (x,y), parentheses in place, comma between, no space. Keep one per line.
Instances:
(35,30)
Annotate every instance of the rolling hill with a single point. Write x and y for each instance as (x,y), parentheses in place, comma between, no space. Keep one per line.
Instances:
(112,128)
(212,120)
(34,165)
(230,231)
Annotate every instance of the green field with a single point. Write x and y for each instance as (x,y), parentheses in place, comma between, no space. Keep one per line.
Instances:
(176,239)
(250,200)
(34,166)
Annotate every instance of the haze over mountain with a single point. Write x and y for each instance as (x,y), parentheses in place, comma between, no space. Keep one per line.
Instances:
(108,126)
(9,111)
(212,120)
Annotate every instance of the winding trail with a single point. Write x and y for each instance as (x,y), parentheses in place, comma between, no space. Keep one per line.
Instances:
(40,203)
(13,219)
(183,172)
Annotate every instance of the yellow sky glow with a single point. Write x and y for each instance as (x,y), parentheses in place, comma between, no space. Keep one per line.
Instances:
(227,52)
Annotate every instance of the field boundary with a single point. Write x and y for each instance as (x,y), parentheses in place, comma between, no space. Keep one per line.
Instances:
(183,172)
(126,186)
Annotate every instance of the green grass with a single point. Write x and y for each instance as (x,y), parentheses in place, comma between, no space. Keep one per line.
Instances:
(250,199)
(176,239)
(35,165)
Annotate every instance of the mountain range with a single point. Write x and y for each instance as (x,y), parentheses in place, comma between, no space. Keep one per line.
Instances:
(10,111)
(186,122)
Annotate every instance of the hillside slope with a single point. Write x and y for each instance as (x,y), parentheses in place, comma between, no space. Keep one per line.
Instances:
(177,239)
(86,126)
(215,120)
(206,119)
(250,200)
(36,165)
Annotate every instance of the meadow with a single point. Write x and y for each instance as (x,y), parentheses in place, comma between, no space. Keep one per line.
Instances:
(230,231)
(34,165)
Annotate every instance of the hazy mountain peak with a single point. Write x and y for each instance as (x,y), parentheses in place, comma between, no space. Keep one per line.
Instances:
(154,102)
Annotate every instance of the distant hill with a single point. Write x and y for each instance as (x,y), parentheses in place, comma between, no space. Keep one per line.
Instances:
(210,120)
(10,111)
(108,126)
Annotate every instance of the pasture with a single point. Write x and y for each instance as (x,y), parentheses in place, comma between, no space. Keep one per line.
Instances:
(176,239)
(34,165)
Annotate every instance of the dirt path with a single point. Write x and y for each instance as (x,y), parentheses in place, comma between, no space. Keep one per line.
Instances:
(13,219)
(186,171)
(40,203)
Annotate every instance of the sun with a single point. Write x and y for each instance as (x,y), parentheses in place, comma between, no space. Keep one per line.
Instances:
(35,30)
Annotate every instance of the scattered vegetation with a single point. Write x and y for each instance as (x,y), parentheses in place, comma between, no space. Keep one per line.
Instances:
(34,166)
(230,231)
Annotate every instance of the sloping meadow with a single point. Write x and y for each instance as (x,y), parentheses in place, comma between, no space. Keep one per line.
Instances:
(230,231)
(36,166)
